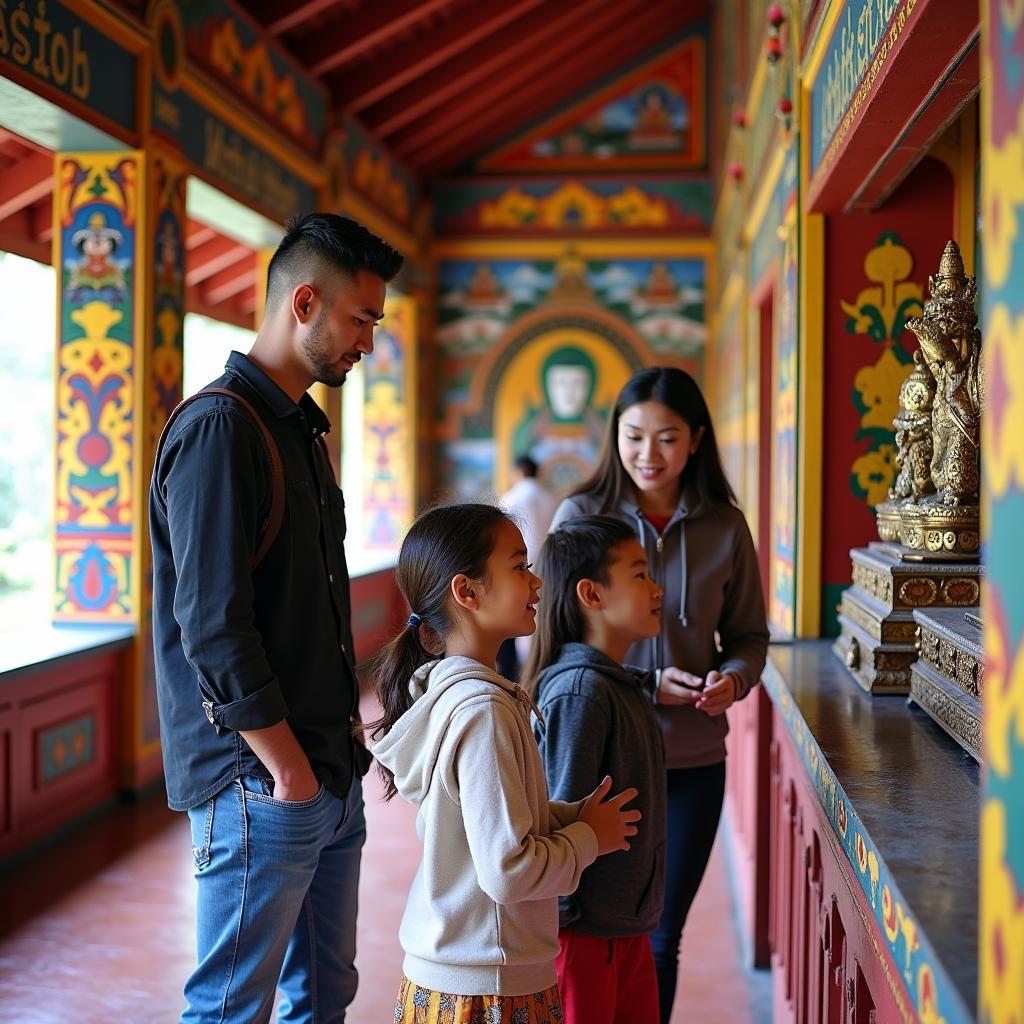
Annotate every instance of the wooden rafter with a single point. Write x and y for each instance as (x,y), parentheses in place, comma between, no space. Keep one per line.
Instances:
(368,27)
(462,141)
(408,62)
(572,61)
(25,183)
(487,63)
(212,257)
(230,281)
(284,17)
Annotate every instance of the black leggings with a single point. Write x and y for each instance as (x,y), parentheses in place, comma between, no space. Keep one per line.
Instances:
(694,806)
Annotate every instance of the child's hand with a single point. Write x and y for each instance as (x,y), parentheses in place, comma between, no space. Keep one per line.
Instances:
(678,687)
(719,693)
(611,824)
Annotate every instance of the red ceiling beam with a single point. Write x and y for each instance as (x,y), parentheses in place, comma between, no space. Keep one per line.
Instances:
(366,28)
(481,64)
(462,111)
(25,183)
(198,234)
(570,77)
(597,47)
(13,239)
(407,62)
(230,282)
(279,18)
(225,313)
(212,257)
(41,219)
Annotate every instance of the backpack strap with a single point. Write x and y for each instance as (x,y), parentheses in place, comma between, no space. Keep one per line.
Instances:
(272,524)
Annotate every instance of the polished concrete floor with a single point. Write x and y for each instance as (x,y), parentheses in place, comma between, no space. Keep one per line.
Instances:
(98,926)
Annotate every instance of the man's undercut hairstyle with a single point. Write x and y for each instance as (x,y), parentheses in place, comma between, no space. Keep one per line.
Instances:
(321,242)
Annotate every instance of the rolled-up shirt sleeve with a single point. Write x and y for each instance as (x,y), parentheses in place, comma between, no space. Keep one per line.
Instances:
(215,484)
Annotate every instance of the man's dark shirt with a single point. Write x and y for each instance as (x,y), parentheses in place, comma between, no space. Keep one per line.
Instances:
(259,645)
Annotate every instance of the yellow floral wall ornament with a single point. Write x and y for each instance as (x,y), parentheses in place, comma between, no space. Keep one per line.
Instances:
(574,206)
(880,312)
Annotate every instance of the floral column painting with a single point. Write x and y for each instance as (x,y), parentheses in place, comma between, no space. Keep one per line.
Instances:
(96,504)
(1001,925)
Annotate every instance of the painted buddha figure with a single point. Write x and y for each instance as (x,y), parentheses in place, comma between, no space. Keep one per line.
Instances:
(563,434)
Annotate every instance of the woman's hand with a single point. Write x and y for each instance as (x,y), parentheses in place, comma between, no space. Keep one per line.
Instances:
(720,692)
(678,687)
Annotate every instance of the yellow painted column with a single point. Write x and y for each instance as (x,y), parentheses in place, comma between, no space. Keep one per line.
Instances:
(99,250)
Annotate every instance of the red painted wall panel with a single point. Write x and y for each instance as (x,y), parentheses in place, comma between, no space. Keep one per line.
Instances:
(58,734)
(829,965)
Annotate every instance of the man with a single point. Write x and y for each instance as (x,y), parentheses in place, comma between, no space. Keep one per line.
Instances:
(533,507)
(254,663)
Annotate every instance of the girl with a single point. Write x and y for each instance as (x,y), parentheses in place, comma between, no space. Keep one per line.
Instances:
(600,599)
(480,929)
(660,472)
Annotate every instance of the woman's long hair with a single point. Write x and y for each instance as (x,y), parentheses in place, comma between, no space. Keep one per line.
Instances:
(676,390)
(580,549)
(443,542)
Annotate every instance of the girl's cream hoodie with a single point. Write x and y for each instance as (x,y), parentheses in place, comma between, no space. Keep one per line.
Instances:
(482,913)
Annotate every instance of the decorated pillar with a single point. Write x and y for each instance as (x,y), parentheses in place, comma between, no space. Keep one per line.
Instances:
(1001,919)
(99,250)
(119,234)
(160,370)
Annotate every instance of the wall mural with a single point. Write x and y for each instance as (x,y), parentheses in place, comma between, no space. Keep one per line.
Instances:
(652,117)
(533,351)
(388,486)
(96,200)
(1001,920)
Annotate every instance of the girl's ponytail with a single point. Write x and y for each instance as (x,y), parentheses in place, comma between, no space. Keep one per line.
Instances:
(443,542)
(392,667)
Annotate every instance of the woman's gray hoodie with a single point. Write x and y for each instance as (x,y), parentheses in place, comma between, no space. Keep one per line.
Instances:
(482,913)
(712,611)
(598,721)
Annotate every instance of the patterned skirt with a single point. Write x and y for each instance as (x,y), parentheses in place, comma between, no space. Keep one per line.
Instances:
(417,1005)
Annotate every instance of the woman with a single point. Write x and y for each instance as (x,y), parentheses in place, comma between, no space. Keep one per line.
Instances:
(660,471)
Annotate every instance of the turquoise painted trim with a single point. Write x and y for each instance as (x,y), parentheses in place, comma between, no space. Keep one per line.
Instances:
(875,877)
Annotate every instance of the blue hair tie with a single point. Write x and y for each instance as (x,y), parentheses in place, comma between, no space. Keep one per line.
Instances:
(413,621)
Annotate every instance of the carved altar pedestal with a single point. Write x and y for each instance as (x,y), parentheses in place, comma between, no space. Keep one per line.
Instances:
(947,680)
(876,615)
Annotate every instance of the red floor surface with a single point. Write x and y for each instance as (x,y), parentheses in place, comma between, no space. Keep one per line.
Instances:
(99,927)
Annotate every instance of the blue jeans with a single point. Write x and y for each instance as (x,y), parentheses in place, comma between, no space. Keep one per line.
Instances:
(278,889)
(695,798)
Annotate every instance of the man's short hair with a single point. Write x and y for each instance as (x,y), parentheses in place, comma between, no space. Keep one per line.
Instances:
(319,241)
(527,466)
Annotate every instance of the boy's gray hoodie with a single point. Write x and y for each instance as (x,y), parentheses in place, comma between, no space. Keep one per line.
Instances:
(598,720)
(707,566)
(482,913)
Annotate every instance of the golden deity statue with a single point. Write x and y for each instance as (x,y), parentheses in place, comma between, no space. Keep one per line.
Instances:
(951,345)
(933,505)
(913,425)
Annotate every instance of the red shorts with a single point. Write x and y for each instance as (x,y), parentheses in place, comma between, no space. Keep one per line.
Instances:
(606,981)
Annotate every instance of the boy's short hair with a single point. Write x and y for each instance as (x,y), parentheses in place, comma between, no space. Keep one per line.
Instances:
(319,242)
(527,466)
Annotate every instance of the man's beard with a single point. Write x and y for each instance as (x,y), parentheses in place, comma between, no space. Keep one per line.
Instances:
(316,348)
